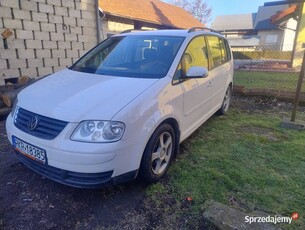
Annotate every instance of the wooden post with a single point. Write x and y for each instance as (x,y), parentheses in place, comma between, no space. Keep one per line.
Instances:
(298,92)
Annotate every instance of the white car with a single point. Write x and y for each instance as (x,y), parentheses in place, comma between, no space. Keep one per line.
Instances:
(123,108)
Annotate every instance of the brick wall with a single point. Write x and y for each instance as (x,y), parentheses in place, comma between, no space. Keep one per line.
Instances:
(47,35)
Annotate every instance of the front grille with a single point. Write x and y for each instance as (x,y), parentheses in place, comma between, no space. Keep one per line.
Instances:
(75,179)
(38,125)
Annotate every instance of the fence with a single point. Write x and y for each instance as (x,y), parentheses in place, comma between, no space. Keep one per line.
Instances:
(268,71)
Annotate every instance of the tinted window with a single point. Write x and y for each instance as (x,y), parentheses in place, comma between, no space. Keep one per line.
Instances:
(219,51)
(216,51)
(131,56)
(228,50)
(223,51)
(194,55)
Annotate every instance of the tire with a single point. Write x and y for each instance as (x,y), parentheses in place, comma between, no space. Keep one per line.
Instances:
(158,154)
(226,102)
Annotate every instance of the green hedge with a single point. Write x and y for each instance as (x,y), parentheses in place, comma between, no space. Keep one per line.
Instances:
(263,54)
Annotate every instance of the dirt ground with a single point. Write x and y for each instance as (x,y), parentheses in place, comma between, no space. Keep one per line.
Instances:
(30,201)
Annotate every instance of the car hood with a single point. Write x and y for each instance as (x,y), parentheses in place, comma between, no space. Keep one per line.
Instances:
(74,96)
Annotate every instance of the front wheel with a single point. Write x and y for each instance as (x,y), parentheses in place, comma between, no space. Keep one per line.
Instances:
(226,101)
(158,153)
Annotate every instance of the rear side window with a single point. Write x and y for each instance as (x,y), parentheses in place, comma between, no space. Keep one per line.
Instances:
(228,50)
(219,51)
(225,50)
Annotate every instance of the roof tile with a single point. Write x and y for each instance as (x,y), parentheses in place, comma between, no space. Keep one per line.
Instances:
(287,13)
(263,21)
(153,11)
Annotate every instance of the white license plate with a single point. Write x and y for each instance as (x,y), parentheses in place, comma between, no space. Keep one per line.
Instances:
(29,150)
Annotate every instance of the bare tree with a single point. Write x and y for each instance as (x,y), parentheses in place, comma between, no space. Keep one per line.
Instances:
(198,8)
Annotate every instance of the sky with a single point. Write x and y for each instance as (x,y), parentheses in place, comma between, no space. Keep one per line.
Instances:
(225,7)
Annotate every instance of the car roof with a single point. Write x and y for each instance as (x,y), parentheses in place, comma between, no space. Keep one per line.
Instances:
(175,32)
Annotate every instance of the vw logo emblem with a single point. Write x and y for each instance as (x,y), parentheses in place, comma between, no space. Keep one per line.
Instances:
(32,123)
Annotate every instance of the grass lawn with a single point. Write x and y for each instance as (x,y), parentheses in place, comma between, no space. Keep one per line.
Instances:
(243,159)
(267,80)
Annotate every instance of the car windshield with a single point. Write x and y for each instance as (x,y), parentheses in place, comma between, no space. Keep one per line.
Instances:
(131,56)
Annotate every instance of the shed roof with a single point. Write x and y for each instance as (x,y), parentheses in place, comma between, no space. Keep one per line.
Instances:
(152,11)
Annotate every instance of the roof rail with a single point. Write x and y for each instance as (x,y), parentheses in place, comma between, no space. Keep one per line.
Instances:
(202,28)
(132,30)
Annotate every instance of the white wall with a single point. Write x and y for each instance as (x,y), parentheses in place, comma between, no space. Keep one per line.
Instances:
(271,38)
(289,35)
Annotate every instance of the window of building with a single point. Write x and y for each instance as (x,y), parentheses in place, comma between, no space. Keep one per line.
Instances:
(271,39)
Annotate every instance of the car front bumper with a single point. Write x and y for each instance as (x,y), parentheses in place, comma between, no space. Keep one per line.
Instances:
(79,164)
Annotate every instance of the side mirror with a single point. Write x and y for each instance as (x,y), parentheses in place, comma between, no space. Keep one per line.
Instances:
(197,72)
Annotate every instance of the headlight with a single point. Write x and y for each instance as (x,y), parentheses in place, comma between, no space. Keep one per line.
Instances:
(14,107)
(98,131)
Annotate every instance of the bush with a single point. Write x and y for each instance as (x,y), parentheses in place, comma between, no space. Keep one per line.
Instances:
(263,54)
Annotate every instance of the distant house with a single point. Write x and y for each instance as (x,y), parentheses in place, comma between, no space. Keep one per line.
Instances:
(117,16)
(239,29)
(281,37)
(256,30)
(282,18)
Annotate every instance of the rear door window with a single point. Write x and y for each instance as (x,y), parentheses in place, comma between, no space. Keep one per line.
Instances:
(218,50)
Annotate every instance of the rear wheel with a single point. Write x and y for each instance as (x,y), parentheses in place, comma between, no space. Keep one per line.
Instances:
(158,153)
(226,101)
